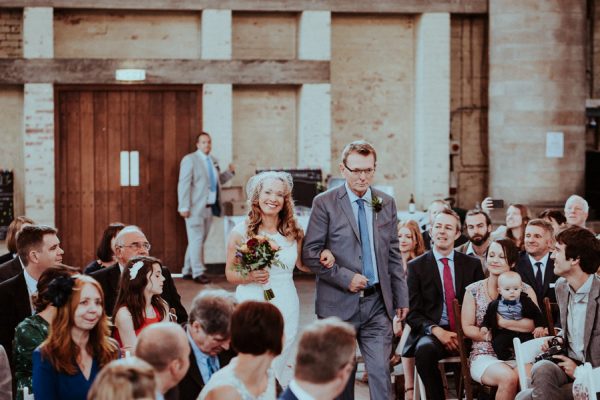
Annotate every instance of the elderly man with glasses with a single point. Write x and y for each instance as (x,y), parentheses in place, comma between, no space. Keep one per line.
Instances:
(129,242)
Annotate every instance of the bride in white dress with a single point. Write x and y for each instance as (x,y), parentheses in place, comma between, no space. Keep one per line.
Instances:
(271,214)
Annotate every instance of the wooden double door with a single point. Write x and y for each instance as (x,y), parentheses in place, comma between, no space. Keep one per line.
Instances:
(101,129)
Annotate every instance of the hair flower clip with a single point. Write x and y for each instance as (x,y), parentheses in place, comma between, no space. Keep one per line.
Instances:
(135,268)
(59,290)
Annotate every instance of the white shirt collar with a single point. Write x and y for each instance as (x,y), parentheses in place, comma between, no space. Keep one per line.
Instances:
(353,196)
(300,393)
(202,154)
(543,260)
(470,249)
(439,256)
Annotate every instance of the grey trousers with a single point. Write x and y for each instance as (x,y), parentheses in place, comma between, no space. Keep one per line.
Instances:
(548,382)
(197,228)
(374,334)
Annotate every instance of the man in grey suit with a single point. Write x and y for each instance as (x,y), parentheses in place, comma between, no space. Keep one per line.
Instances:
(366,285)
(576,259)
(199,194)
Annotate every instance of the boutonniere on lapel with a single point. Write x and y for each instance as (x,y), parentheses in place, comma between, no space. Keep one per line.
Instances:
(376,204)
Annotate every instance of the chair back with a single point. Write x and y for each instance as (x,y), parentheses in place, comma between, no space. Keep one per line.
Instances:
(463,351)
(26,394)
(525,353)
(548,306)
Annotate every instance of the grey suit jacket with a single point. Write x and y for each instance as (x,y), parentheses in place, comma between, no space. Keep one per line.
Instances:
(194,183)
(333,226)
(591,333)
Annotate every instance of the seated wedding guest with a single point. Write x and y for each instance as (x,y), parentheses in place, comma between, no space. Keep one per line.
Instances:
(130,242)
(65,365)
(32,331)
(5,376)
(324,361)
(124,379)
(208,332)
(39,249)
(165,347)
(10,264)
(517,217)
(576,259)
(106,249)
(257,336)
(576,210)
(139,303)
(411,246)
(485,366)
(435,279)
(555,217)
(479,229)
(434,209)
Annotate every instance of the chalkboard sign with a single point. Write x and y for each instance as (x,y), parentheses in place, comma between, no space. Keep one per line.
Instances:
(6,201)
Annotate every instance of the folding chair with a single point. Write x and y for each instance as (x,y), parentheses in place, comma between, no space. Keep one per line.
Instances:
(525,353)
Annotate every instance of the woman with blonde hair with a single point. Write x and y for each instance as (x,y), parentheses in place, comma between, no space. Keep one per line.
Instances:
(78,345)
(124,379)
(271,214)
(139,303)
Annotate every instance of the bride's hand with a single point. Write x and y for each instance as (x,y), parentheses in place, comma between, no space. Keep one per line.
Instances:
(327,259)
(260,276)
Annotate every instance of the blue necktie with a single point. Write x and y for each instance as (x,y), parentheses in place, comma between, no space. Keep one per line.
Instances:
(212,366)
(211,175)
(365,243)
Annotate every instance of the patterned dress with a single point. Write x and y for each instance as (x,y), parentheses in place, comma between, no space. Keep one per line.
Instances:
(482,299)
(29,334)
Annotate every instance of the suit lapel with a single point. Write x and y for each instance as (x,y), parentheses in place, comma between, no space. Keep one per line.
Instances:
(458,275)
(23,303)
(548,275)
(195,371)
(344,202)
(591,312)
(437,279)
(529,270)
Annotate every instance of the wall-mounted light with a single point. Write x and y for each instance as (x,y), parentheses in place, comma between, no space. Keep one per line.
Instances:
(130,75)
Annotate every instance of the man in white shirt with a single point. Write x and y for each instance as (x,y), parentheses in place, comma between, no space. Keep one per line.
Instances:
(324,361)
(39,248)
(576,258)
(198,192)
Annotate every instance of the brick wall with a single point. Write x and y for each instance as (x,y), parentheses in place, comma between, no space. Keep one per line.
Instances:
(11,40)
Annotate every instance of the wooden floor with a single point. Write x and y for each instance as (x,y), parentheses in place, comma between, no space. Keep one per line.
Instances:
(306,292)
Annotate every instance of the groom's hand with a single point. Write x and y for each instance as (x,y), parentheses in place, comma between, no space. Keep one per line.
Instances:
(359,282)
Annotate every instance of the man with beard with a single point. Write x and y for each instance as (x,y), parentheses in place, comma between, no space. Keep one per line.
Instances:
(479,228)
(535,265)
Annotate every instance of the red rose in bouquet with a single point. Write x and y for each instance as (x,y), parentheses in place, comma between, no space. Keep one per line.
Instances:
(258,253)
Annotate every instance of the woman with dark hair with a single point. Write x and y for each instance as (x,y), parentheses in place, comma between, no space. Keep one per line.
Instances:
(555,217)
(486,368)
(32,331)
(11,237)
(257,336)
(106,249)
(139,303)
(78,345)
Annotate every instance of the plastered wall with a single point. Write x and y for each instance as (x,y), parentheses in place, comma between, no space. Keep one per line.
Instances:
(372,84)
(124,34)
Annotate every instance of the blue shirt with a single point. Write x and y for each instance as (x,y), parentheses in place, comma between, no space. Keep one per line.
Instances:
(440,265)
(510,310)
(369,214)
(49,384)
(202,359)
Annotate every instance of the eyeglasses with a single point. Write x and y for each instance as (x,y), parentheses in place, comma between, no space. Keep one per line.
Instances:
(358,172)
(139,246)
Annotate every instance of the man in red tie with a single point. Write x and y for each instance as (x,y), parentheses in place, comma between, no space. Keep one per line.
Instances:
(435,279)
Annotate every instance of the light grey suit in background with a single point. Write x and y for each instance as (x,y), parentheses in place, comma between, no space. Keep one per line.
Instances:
(192,192)
(333,226)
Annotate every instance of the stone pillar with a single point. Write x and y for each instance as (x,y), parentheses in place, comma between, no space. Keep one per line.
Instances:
(537,85)
(38,120)
(314,104)
(217,113)
(432,108)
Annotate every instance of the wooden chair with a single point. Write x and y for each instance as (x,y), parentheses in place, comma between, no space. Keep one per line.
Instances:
(548,308)
(464,348)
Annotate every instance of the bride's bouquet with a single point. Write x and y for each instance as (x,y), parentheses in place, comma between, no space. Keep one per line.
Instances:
(258,253)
